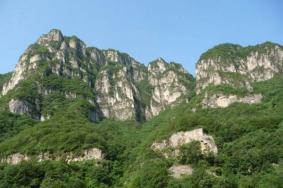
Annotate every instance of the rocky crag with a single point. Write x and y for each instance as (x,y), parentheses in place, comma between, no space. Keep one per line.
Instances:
(115,84)
(227,72)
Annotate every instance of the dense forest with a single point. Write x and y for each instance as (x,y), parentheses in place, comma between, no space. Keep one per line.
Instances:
(78,116)
(248,137)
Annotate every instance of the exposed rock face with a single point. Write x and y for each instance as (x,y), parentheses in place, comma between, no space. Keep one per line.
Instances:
(90,154)
(15,159)
(17,76)
(23,107)
(238,66)
(116,79)
(18,107)
(177,171)
(167,86)
(53,35)
(175,141)
(223,101)
(116,99)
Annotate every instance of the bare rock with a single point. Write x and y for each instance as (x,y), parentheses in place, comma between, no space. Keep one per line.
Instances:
(178,171)
(89,154)
(240,71)
(15,159)
(19,107)
(53,35)
(223,101)
(170,147)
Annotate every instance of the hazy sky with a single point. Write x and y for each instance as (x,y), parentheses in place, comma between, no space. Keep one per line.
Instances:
(177,30)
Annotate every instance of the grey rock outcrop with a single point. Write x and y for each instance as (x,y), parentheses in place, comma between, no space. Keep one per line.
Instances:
(15,159)
(167,86)
(89,154)
(178,171)
(21,107)
(223,101)
(238,66)
(170,147)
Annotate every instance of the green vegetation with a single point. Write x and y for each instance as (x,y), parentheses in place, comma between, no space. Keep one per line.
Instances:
(222,50)
(145,90)
(249,140)
(63,84)
(226,89)
(11,124)
(190,153)
(231,52)
(39,49)
(4,78)
(248,137)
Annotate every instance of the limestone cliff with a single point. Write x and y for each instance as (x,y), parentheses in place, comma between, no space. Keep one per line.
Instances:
(114,83)
(238,66)
(226,73)
(175,141)
(170,83)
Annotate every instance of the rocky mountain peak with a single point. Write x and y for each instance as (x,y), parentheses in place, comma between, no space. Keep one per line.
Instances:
(52,35)
(157,66)
(115,84)
(238,66)
(227,70)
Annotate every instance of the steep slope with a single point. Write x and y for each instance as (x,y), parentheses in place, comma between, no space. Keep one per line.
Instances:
(226,72)
(248,140)
(4,78)
(181,146)
(114,84)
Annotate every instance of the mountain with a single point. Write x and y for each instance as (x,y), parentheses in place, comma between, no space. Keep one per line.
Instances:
(115,84)
(77,116)
(225,73)
(238,66)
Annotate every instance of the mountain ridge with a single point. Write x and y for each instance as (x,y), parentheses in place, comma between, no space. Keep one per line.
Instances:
(69,57)
(83,117)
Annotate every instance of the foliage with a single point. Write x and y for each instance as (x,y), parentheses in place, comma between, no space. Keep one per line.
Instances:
(145,90)
(190,153)
(231,52)
(4,78)
(39,49)
(248,137)
(11,124)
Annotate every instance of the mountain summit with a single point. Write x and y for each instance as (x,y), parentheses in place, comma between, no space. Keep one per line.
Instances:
(114,84)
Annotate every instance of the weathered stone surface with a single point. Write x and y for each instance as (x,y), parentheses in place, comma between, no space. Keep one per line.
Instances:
(116,100)
(178,171)
(53,35)
(223,101)
(22,107)
(168,90)
(18,107)
(258,63)
(15,159)
(89,154)
(170,147)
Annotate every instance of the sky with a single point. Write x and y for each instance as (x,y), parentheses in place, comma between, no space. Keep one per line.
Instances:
(176,30)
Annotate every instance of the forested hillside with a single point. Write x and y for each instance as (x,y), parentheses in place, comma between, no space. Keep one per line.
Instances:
(77,116)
